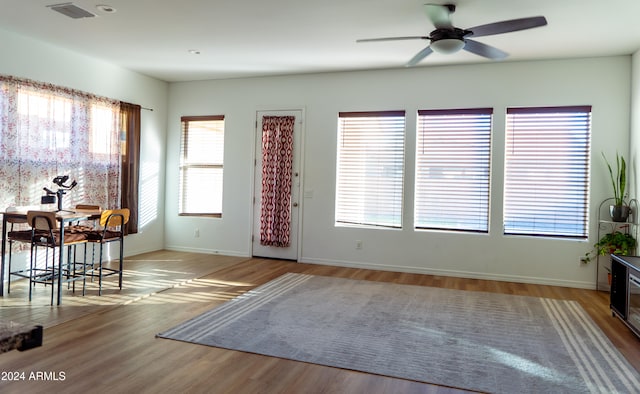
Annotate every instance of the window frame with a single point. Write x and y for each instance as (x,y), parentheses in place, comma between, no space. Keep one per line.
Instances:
(579,159)
(184,165)
(352,210)
(441,135)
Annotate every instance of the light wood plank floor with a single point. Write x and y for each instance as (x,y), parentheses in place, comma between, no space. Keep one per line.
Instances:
(107,344)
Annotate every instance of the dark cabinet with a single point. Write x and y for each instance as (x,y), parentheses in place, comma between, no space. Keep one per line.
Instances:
(625,290)
(619,280)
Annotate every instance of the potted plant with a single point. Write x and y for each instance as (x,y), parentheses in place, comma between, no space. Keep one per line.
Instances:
(616,242)
(619,211)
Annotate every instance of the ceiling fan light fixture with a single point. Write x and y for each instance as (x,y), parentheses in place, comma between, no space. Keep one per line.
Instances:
(107,9)
(447,45)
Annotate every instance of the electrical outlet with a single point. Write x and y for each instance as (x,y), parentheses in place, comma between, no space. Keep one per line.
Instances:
(196,233)
(358,244)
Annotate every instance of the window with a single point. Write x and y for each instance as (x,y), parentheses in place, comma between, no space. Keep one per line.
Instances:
(201,165)
(453,154)
(547,171)
(48,131)
(370,168)
(103,125)
(48,113)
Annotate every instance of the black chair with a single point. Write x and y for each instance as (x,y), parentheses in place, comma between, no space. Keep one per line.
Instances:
(46,233)
(112,223)
(16,235)
(84,226)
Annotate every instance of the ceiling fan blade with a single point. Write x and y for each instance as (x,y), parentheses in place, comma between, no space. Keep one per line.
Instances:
(508,26)
(440,15)
(393,39)
(484,50)
(419,56)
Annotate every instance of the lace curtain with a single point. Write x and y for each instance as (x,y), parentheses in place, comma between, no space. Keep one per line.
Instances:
(277,161)
(45,131)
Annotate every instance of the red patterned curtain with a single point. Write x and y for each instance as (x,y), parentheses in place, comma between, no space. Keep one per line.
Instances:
(277,161)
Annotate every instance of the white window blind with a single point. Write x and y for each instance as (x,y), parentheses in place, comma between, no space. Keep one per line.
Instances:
(370,168)
(547,171)
(201,165)
(453,155)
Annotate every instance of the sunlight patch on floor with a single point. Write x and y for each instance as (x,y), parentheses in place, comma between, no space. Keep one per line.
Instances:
(185,298)
(152,260)
(150,287)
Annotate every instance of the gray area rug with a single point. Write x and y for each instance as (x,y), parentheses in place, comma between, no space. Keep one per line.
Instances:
(472,340)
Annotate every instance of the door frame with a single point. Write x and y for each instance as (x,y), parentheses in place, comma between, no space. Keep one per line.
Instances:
(258,129)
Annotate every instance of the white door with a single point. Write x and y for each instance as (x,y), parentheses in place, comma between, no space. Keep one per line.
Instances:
(289,252)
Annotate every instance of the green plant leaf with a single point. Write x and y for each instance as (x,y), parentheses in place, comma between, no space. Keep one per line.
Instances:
(622,179)
(615,243)
(613,178)
(619,179)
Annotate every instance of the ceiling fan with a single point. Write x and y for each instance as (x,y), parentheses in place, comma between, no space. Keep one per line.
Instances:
(447,38)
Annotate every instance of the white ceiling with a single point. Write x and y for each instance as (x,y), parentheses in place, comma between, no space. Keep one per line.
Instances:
(240,38)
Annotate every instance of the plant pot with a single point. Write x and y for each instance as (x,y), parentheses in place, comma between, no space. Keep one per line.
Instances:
(619,213)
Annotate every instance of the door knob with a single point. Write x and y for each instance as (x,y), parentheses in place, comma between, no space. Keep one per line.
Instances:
(295,204)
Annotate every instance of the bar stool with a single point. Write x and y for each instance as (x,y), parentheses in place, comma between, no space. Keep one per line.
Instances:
(15,235)
(46,233)
(112,222)
(84,226)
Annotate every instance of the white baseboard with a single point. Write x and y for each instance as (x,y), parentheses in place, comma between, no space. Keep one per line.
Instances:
(408,269)
(206,251)
(130,253)
(458,274)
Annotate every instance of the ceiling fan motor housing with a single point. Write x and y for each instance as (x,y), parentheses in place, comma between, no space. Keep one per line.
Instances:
(448,34)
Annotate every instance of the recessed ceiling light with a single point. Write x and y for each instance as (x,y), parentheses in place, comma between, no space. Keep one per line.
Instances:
(194,51)
(107,9)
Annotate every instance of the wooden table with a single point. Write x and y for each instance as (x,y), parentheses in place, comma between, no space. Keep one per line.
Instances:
(64,217)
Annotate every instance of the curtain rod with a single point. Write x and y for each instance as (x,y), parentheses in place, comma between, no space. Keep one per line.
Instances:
(9,78)
(137,105)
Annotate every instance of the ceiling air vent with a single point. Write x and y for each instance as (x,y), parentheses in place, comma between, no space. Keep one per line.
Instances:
(71,10)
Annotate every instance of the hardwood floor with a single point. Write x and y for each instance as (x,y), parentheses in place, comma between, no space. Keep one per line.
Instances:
(107,344)
(145,275)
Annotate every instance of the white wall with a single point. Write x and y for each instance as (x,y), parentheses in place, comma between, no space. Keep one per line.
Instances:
(634,142)
(603,83)
(26,58)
